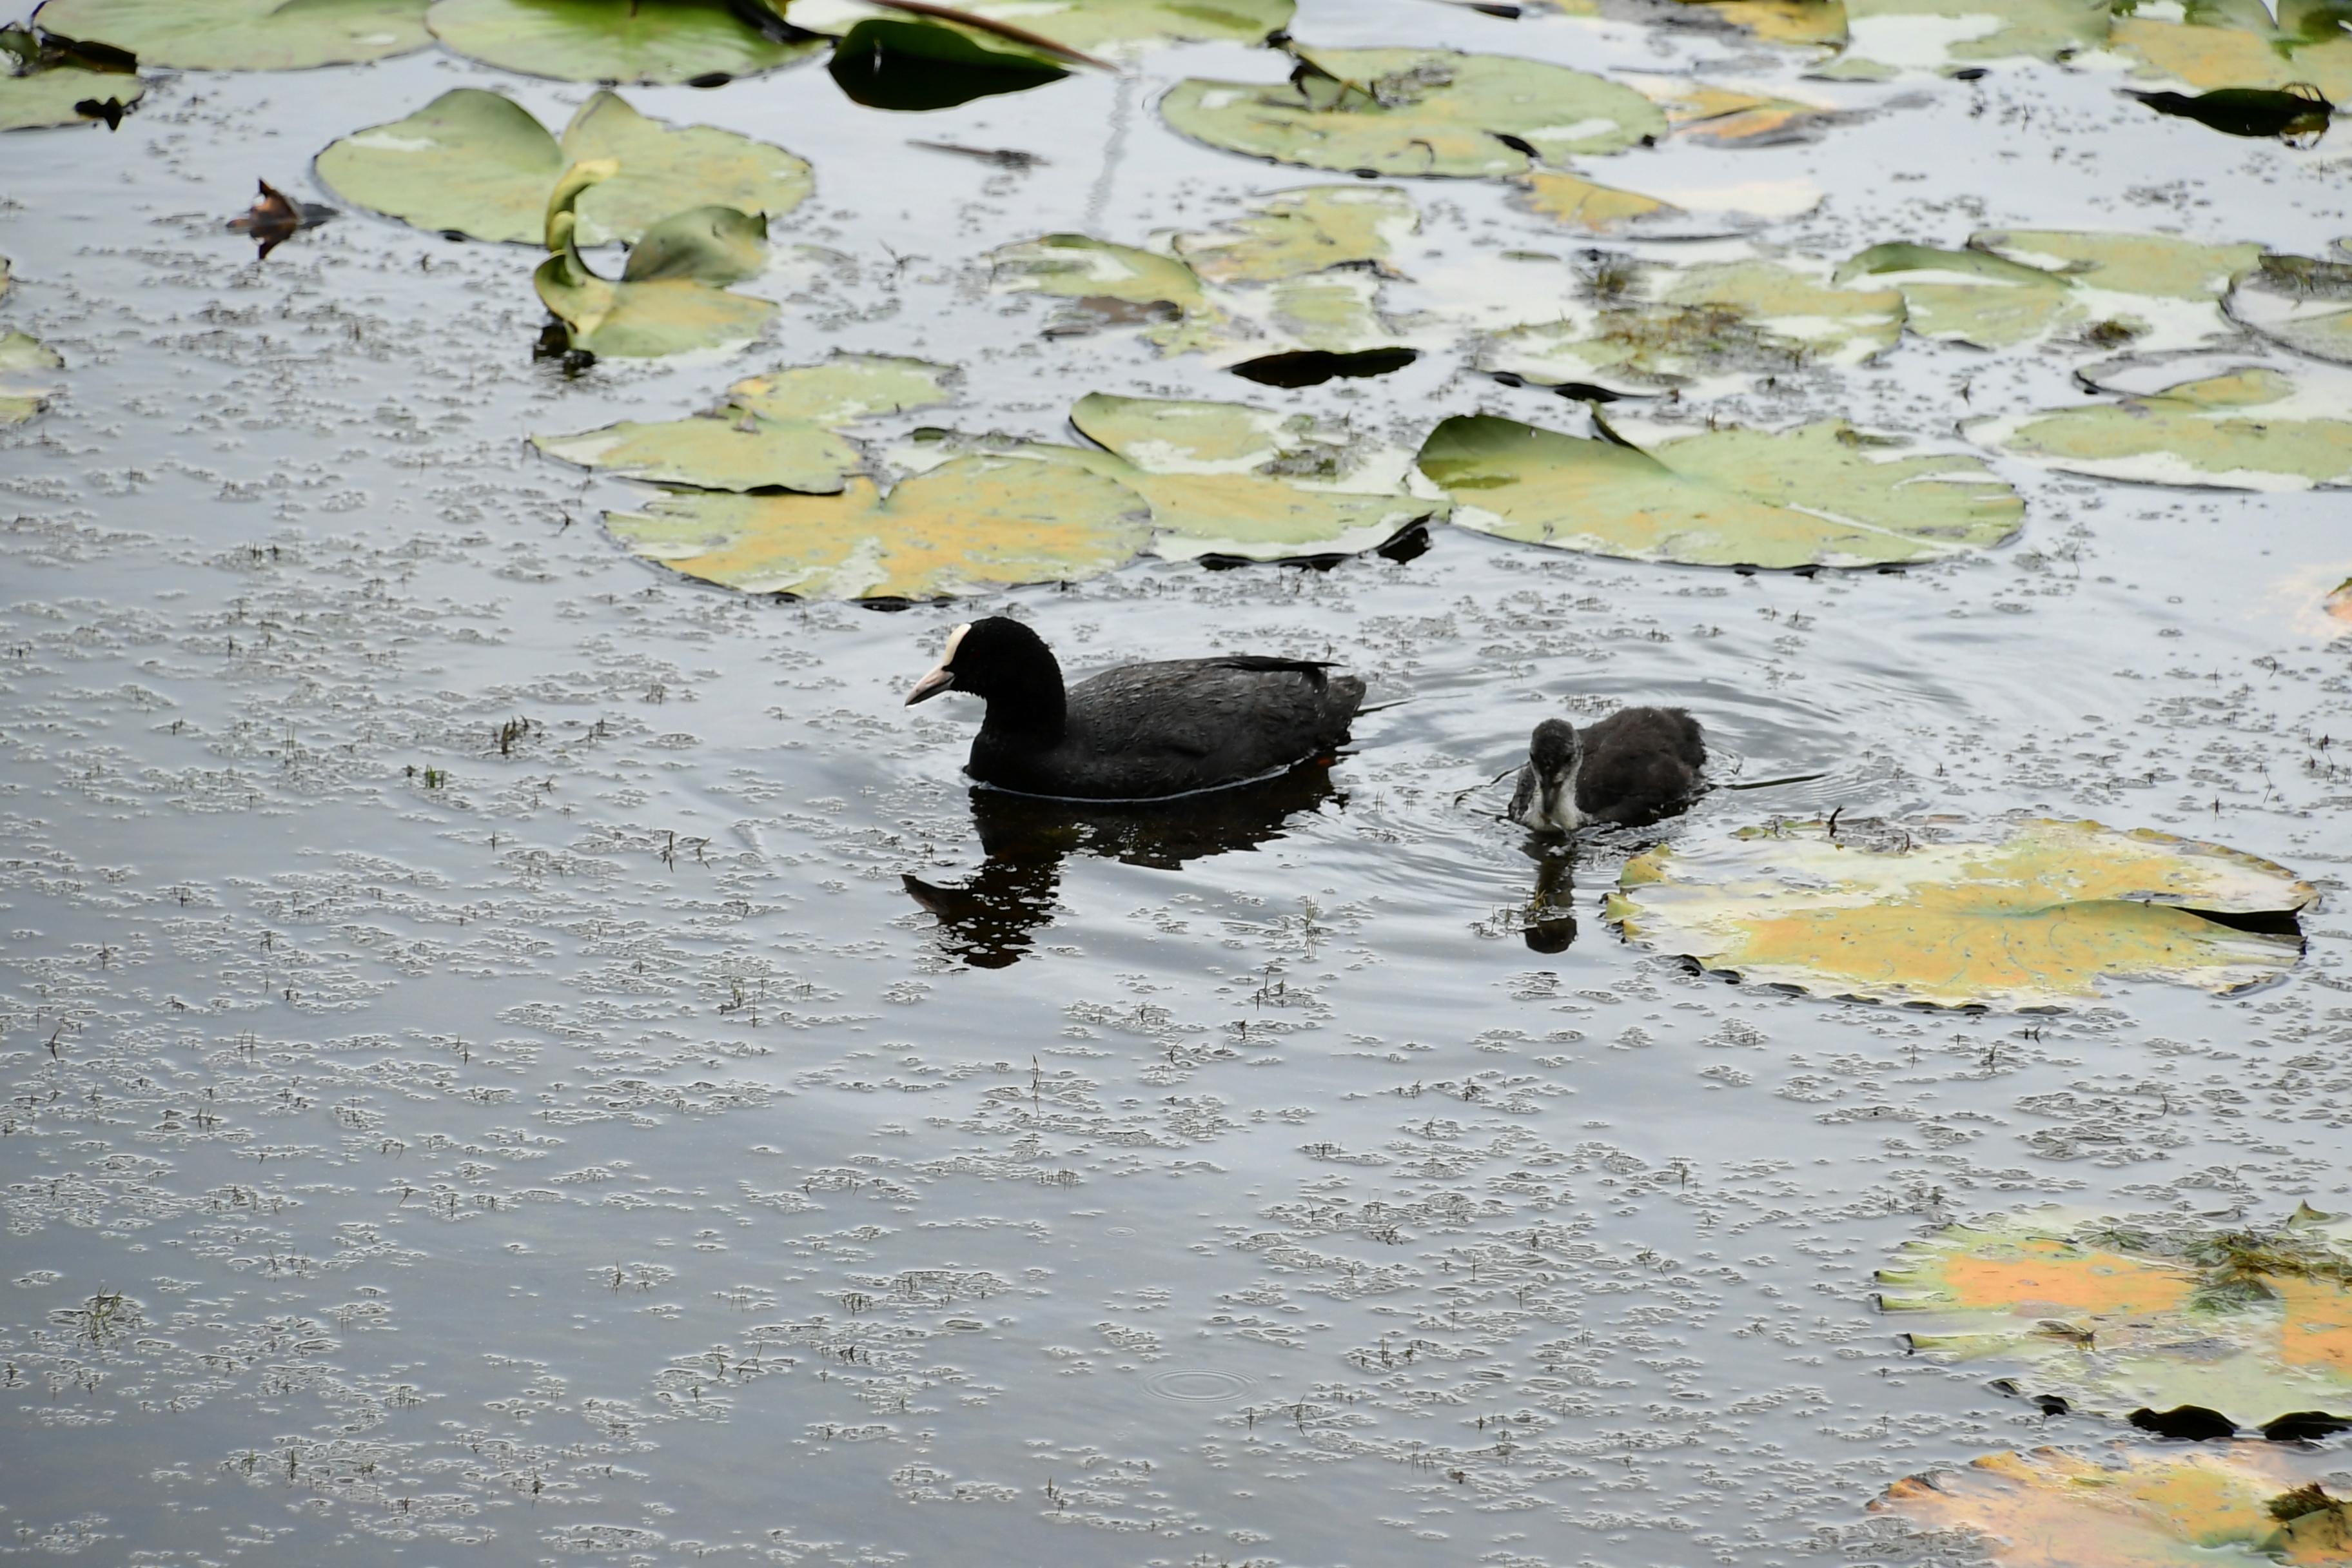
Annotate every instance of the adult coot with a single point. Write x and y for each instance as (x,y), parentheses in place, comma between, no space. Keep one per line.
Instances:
(1636,765)
(1142,731)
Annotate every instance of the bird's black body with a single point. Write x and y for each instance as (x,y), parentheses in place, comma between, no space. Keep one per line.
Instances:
(1636,765)
(1142,731)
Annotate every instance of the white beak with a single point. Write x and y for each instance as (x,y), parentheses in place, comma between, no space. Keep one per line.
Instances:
(931,685)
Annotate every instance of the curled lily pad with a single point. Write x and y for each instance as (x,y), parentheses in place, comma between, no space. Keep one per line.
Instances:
(972,524)
(2303,303)
(53,80)
(2254,1326)
(2032,914)
(1293,233)
(22,390)
(245,34)
(1416,112)
(2224,426)
(776,431)
(921,63)
(2245,1503)
(1229,480)
(478,163)
(670,297)
(617,40)
(1886,37)
(1710,328)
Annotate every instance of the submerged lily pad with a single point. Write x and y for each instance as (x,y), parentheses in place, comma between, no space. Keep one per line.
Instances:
(1416,112)
(245,34)
(1229,480)
(20,356)
(1707,328)
(2034,914)
(2303,303)
(972,524)
(1886,37)
(670,298)
(2247,1503)
(478,163)
(2252,1326)
(649,41)
(776,431)
(1293,233)
(1818,495)
(2228,426)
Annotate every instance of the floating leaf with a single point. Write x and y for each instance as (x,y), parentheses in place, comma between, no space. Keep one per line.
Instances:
(1701,112)
(245,34)
(1091,271)
(1416,112)
(651,41)
(1229,480)
(19,356)
(2033,915)
(668,299)
(921,63)
(2253,1327)
(1293,233)
(54,80)
(1129,27)
(2303,303)
(1704,329)
(1800,23)
(775,432)
(2252,55)
(1968,296)
(1571,199)
(2235,426)
(972,524)
(2245,1503)
(1889,37)
(2151,264)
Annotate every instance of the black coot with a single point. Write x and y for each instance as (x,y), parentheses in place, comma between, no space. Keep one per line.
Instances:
(1142,731)
(1636,765)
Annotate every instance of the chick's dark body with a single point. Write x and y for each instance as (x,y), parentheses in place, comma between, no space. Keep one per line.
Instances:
(1638,762)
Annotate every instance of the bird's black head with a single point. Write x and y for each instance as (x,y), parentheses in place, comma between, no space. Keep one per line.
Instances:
(1008,666)
(1554,749)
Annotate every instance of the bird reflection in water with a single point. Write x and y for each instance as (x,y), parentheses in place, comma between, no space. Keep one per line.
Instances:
(1550,924)
(991,918)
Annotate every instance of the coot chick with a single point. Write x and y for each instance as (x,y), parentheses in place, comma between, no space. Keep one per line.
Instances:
(1636,765)
(1142,731)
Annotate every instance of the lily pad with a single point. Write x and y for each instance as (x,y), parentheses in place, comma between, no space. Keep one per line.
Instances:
(1120,28)
(1158,290)
(776,431)
(478,163)
(52,80)
(1818,496)
(1968,296)
(2151,264)
(1416,112)
(22,356)
(245,34)
(973,524)
(2252,54)
(1706,328)
(1293,233)
(2303,303)
(1799,22)
(2229,427)
(1701,112)
(670,297)
(1232,480)
(2030,915)
(916,64)
(2254,1327)
(1887,38)
(2246,1503)
(615,40)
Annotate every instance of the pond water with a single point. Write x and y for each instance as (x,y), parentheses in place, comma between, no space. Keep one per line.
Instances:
(586,1142)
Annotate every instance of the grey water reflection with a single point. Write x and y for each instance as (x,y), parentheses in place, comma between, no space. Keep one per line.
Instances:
(991,918)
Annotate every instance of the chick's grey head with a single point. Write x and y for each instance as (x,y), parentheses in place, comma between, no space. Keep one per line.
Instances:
(1554,749)
(1545,799)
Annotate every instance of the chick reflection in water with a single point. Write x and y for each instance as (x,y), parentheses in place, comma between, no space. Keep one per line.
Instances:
(991,918)
(1549,923)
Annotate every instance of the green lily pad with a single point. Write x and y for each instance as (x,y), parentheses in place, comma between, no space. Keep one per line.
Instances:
(2224,47)
(916,64)
(1886,37)
(1818,496)
(2227,427)
(2303,303)
(1231,481)
(1120,28)
(245,34)
(21,356)
(973,524)
(670,297)
(1699,330)
(1416,112)
(2151,264)
(649,41)
(1968,296)
(2240,1505)
(2032,914)
(2252,1325)
(51,80)
(1293,233)
(475,162)
(776,431)
(1116,284)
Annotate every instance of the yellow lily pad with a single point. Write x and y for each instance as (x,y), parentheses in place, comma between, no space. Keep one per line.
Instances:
(2255,55)
(21,357)
(972,524)
(1802,24)
(2032,914)
(2243,1503)
(1823,495)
